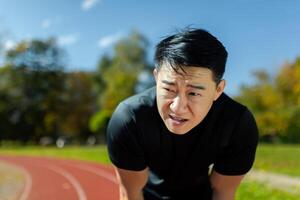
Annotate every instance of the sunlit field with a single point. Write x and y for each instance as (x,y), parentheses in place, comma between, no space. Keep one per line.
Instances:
(279,158)
(258,191)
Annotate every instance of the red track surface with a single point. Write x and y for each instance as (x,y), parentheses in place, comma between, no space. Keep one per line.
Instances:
(58,179)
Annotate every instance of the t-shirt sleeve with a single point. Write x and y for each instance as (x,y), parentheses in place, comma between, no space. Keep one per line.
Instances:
(123,144)
(238,156)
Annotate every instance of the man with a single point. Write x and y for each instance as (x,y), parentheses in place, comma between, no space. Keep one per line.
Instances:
(183,139)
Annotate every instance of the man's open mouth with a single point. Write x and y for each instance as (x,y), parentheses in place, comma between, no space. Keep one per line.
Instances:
(177,119)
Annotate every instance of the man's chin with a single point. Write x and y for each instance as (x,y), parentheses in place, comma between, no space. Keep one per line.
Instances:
(178,131)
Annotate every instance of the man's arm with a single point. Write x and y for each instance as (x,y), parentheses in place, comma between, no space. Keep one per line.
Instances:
(224,187)
(132,183)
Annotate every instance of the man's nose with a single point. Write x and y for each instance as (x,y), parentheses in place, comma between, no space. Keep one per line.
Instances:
(179,104)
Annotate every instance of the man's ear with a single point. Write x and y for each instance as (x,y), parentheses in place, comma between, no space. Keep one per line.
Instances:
(220,89)
(155,74)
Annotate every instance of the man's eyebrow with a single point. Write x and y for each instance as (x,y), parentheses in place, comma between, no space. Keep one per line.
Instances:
(199,87)
(168,82)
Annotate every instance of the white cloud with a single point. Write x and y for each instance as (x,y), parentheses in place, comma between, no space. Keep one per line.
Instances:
(9,44)
(66,40)
(46,23)
(88,4)
(49,22)
(110,40)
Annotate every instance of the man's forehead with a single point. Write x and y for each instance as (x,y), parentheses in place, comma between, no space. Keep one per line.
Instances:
(187,73)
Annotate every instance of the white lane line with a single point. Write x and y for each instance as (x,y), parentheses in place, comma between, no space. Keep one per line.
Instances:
(98,172)
(28,185)
(80,192)
(28,182)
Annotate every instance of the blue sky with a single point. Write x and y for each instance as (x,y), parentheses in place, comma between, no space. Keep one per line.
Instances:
(258,34)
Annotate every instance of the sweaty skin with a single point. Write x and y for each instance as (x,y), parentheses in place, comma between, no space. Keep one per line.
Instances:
(184,98)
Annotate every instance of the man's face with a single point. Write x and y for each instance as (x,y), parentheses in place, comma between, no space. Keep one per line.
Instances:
(184,98)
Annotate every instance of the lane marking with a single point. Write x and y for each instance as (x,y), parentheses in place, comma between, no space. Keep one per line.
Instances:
(100,172)
(28,185)
(28,179)
(74,182)
(79,190)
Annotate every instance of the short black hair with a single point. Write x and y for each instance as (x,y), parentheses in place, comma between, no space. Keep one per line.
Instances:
(194,48)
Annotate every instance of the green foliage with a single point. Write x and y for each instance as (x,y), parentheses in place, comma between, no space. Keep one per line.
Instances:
(37,95)
(99,121)
(99,83)
(37,55)
(119,76)
(275,102)
(95,153)
(38,98)
(31,89)
(79,105)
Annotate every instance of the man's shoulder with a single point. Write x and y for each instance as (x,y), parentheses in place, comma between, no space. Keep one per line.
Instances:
(131,111)
(145,97)
(233,117)
(228,104)
(140,102)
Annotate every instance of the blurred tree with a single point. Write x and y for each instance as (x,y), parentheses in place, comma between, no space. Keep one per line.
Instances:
(99,83)
(120,76)
(275,102)
(79,105)
(288,82)
(33,86)
(288,85)
(10,95)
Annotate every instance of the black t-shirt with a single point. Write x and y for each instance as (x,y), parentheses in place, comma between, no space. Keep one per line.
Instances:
(137,138)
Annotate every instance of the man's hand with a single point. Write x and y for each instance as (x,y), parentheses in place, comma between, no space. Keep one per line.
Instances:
(132,183)
(224,187)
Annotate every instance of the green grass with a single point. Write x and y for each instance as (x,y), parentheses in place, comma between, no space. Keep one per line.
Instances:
(96,154)
(283,159)
(258,191)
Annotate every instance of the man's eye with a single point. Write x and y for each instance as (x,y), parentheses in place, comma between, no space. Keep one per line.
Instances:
(194,94)
(169,90)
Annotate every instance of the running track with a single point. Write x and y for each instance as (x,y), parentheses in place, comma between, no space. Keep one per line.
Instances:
(58,179)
